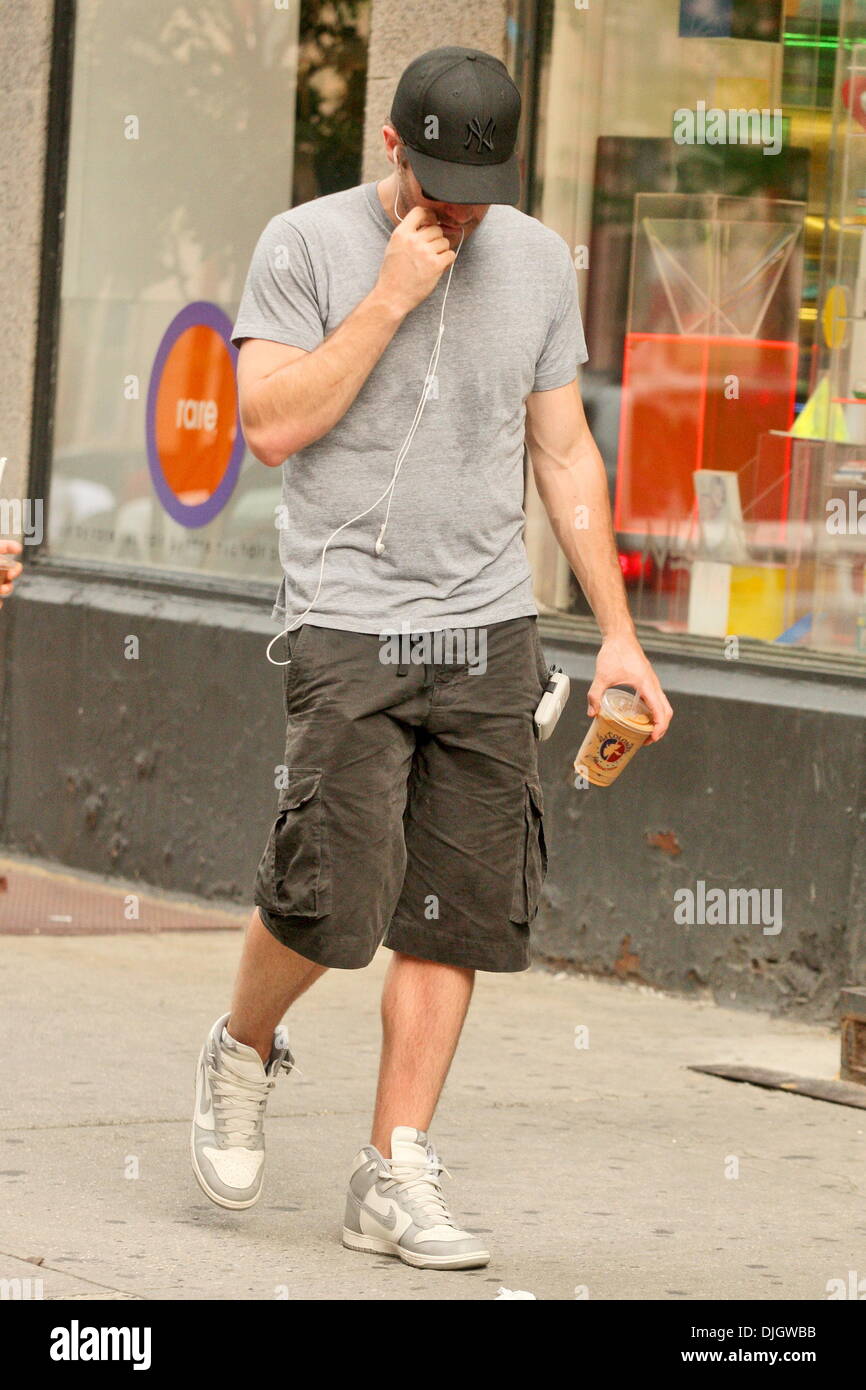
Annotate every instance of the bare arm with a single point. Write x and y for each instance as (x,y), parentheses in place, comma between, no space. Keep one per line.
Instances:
(569,473)
(290,398)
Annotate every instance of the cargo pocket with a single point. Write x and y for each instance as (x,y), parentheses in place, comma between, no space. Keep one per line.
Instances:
(532,856)
(294,876)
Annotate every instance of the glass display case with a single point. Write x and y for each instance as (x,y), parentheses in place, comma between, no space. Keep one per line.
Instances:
(710,360)
(838,561)
(723,288)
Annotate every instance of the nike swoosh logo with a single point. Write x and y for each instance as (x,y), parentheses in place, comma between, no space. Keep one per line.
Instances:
(204,1088)
(389,1221)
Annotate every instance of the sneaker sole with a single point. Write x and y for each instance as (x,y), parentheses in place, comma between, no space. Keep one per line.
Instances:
(377,1245)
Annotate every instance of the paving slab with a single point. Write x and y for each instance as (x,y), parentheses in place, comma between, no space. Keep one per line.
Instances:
(606,1170)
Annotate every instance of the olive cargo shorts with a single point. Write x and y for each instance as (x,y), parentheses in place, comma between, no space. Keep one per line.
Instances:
(412,813)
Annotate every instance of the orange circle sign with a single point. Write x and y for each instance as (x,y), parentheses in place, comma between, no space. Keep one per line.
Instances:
(194,442)
(196,398)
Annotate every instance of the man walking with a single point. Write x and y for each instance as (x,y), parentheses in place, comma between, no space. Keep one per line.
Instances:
(411,810)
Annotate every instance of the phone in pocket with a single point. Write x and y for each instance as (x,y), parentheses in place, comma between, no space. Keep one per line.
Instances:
(552,702)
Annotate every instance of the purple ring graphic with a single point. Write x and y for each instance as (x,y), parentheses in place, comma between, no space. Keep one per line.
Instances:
(195,314)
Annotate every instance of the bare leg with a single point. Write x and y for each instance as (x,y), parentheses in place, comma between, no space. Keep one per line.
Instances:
(270,978)
(423,1008)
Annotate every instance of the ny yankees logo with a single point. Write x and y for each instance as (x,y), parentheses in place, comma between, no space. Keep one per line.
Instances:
(484,136)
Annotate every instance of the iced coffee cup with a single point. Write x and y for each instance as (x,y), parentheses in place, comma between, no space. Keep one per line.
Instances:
(622,726)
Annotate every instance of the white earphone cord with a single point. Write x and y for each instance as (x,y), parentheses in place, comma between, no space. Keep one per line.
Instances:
(404,449)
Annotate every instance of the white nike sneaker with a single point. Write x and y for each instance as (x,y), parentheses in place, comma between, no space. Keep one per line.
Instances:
(395,1207)
(227,1144)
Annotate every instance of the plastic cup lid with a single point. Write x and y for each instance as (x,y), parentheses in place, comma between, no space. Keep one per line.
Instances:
(627,707)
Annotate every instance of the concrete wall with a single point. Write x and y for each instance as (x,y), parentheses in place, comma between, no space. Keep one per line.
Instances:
(26,28)
(160,770)
(400,30)
(25,51)
(760,784)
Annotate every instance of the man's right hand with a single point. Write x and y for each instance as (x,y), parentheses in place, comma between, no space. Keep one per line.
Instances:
(417,257)
(9,569)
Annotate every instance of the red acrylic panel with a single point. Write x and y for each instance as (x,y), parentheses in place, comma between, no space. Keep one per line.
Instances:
(675,417)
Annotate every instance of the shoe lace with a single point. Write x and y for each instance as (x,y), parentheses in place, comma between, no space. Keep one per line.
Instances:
(422,1183)
(239,1101)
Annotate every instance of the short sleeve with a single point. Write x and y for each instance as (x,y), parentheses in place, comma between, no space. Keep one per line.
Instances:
(565,346)
(279,301)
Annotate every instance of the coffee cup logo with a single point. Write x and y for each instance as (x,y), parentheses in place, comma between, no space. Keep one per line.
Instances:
(612,749)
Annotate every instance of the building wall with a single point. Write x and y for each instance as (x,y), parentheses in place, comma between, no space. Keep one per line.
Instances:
(26,28)
(160,771)
(25,55)
(760,783)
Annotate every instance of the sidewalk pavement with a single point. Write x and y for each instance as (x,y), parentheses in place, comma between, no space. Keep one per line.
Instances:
(599,1169)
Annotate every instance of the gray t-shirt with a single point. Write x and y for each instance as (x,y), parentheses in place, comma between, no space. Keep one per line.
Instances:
(454,553)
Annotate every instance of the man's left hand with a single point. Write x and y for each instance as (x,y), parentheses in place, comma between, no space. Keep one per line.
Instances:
(622,661)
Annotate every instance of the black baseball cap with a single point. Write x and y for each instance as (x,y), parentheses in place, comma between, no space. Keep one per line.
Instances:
(457,112)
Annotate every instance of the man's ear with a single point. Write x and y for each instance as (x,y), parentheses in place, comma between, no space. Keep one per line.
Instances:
(393,155)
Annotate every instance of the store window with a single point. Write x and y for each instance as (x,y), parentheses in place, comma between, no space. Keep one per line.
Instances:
(706,159)
(191,126)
